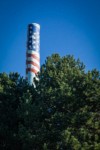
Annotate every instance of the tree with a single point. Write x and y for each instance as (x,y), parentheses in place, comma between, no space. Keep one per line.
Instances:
(61,112)
(12,87)
(69,100)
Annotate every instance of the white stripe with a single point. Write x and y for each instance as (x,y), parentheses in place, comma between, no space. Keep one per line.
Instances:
(33,60)
(33,52)
(30,77)
(30,73)
(32,66)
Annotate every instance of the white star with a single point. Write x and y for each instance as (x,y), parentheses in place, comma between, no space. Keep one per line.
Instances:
(30,31)
(33,42)
(30,27)
(33,37)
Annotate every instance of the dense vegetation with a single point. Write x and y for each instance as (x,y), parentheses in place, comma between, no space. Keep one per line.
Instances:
(62,112)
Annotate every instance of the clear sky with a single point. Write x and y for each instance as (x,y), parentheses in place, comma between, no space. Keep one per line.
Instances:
(67,27)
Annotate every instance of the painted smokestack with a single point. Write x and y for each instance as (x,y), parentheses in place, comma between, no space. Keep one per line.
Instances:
(33,52)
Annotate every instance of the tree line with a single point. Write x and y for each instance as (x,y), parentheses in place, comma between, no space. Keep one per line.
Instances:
(62,111)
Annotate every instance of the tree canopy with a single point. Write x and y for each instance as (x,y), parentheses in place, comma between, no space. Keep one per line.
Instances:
(62,111)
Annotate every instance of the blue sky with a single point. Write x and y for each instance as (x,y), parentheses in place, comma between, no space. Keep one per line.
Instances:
(67,27)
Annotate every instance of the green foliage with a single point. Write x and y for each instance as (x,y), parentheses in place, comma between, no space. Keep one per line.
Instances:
(62,112)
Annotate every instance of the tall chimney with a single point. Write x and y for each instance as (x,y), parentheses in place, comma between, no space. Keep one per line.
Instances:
(33,52)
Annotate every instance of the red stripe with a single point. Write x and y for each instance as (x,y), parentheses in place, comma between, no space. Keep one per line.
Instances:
(34,56)
(31,70)
(33,63)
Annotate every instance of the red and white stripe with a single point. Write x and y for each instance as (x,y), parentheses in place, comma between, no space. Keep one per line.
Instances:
(32,64)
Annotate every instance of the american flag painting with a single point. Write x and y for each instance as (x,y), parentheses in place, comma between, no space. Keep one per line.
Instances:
(32,53)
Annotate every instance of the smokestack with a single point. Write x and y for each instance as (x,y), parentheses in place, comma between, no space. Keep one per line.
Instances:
(33,52)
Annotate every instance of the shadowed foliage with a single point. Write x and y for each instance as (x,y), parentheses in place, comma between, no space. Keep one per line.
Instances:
(62,112)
